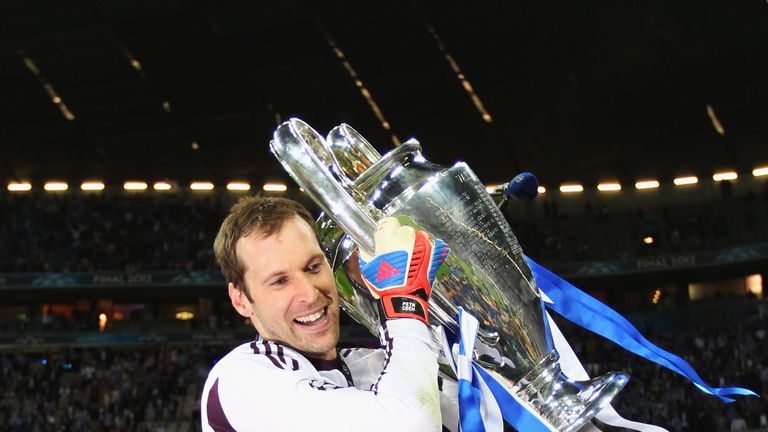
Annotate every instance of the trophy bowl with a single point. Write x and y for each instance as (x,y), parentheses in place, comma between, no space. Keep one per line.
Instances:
(485,273)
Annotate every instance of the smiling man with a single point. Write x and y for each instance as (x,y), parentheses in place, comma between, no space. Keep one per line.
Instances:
(292,377)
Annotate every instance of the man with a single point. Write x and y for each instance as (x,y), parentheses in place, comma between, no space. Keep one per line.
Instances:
(292,378)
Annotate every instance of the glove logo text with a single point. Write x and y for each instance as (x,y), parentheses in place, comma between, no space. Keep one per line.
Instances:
(385,271)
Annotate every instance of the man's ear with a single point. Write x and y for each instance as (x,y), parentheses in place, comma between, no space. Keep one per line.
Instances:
(239,301)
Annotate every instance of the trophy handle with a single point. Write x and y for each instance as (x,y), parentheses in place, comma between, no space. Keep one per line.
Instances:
(353,153)
(307,158)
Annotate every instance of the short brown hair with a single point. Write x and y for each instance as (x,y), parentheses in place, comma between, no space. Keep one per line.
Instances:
(263,215)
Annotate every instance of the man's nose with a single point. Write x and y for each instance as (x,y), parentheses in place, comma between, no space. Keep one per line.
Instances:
(306,290)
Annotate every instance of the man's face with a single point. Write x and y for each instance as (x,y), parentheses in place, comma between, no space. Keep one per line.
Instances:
(293,289)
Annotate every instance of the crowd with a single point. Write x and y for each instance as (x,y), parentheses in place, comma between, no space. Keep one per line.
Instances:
(155,388)
(598,233)
(725,352)
(140,232)
(78,232)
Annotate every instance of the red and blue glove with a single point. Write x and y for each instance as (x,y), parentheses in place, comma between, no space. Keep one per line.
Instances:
(401,272)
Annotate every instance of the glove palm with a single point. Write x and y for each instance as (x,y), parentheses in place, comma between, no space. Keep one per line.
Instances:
(403,269)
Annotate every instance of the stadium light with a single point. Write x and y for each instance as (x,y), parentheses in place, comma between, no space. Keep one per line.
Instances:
(759,172)
(648,240)
(238,186)
(274,187)
(542,189)
(647,184)
(102,321)
(56,186)
(135,186)
(201,186)
(755,284)
(609,187)
(19,187)
(162,186)
(683,181)
(571,188)
(490,188)
(725,175)
(92,186)
(184,315)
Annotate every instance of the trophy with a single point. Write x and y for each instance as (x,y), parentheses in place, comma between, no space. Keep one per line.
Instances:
(485,273)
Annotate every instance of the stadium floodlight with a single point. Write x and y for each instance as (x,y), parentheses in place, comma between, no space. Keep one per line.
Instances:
(92,186)
(571,188)
(201,186)
(103,321)
(647,184)
(609,187)
(162,186)
(19,187)
(274,187)
(648,240)
(725,175)
(755,284)
(184,315)
(683,181)
(238,186)
(135,186)
(761,171)
(542,189)
(56,186)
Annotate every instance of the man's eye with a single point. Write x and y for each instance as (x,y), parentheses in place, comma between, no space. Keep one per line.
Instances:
(280,281)
(314,268)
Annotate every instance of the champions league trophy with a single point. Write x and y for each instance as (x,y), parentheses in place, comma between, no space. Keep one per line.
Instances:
(485,274)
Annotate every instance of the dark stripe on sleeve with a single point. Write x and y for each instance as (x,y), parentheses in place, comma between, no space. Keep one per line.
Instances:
(216,417)
(387,356)
(268,353)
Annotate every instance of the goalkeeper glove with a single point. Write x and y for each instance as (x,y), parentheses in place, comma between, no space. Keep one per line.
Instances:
(402,270)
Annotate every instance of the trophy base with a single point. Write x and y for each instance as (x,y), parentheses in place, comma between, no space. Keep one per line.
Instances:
(564,403)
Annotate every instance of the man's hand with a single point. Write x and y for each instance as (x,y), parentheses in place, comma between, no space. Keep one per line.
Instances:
(403,269)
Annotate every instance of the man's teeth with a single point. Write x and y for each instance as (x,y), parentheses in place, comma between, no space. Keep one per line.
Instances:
(310,318)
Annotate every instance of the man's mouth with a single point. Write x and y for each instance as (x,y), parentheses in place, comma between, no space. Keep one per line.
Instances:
(312,319)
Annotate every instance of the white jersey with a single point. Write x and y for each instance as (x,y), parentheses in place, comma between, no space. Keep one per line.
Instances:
(265,386)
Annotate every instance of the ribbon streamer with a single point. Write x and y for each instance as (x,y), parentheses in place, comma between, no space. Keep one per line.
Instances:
(478,388)
(573,369)
(578,307)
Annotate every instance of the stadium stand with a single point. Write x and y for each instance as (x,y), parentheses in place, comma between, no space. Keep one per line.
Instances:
(152,383)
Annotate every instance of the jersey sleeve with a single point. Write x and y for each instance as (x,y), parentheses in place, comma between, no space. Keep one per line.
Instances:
(245,396)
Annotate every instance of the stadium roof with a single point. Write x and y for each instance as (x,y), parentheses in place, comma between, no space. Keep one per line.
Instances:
(188,89)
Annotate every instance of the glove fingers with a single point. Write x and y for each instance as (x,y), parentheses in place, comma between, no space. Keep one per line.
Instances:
(387,227)
(391,236)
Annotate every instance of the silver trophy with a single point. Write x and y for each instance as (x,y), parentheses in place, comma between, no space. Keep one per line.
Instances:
(485,273)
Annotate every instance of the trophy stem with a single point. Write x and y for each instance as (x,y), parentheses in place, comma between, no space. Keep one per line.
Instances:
(564,403)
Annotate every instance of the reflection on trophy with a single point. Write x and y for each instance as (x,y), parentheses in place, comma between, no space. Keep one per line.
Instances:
(485,274)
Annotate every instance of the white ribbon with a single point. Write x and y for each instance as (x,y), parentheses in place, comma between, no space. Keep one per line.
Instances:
(573,369)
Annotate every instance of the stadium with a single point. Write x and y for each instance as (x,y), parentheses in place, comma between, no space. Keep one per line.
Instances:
(130,129)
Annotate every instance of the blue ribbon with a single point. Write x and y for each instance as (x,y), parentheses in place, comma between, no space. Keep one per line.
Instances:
(514,412)
(471,395)
(578,307)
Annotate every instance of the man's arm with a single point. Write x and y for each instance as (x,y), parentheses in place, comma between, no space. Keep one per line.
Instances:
(249,392)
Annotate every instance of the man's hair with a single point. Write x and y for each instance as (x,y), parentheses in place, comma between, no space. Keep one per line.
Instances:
(253,214)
